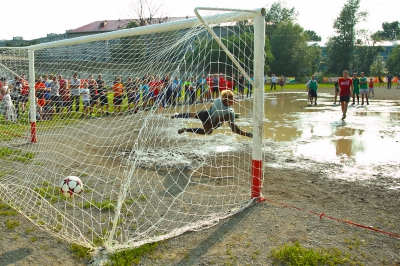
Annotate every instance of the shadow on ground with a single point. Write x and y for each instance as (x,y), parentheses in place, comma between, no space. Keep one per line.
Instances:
(10,257)
(226,228)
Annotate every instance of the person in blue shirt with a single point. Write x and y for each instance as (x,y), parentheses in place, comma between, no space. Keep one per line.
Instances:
(389,80)
(250,86)
(144,87)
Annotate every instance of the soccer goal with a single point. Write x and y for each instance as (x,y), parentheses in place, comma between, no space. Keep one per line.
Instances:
(142,181)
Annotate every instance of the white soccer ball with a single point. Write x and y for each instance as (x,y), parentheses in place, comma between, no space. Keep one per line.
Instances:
(70,186)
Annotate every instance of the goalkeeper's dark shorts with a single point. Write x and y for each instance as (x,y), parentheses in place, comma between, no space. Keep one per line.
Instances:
(204,116)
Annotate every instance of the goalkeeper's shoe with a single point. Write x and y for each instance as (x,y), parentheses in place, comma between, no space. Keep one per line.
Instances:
(182,130)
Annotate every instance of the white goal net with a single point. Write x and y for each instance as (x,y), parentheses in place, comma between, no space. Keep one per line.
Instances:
(143,182)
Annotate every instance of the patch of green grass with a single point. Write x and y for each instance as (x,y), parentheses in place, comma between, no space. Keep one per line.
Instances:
(6,210)
(28,230)
(132,256)
(296,254)
(80,252)
(4,152)
(3,174)
(142,197)
(11,224)
(9,131)
(16,155)
(129,201)
(98,241)
(231,256)
(255,254)
(103,205)
(33,239)
(48,192)
(354,243)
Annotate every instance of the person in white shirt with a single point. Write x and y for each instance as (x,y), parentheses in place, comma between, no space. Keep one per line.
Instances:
(75,85)
(85,92)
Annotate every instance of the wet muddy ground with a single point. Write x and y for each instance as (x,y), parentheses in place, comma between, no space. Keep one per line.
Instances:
(303,145)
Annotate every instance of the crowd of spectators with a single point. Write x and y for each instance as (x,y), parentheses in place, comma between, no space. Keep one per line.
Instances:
(90,96)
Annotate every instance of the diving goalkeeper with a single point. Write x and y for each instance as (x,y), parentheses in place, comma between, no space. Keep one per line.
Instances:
(219,113)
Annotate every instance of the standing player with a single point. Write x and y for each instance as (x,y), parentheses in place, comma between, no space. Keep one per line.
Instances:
(380,81)
(312,86)
(74,86)
(336,91)
(94,96)
(356,89)
(118,90)
(102,92)
(24,92)
(65,96)
(371,88)
(389,80)
(364,88)
(345,90)
(241,86)
(213,118)
(85,92)
(250,86)
(273,81)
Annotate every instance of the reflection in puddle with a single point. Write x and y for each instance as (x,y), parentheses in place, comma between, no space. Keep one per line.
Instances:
(369,136)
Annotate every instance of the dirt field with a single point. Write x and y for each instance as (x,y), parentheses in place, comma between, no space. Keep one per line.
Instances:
(296,198)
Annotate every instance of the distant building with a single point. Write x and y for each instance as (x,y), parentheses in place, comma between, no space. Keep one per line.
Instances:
(387,46)
(16,41)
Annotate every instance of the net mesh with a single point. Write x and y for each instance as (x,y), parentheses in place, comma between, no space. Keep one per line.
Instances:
(143,182)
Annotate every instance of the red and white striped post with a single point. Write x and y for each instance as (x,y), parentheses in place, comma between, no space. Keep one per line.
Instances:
(258,106)
(32,100)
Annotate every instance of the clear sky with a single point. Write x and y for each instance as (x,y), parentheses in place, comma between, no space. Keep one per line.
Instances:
(34,19)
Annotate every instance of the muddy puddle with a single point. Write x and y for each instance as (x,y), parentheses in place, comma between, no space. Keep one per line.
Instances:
(366,145)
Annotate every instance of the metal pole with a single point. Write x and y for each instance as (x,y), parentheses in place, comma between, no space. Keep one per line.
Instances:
(32,98)
(258,106)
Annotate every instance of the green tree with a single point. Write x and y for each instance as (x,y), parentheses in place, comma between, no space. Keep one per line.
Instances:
(132,24)
(315,56)
(393,60)
(314,37)
(390,31)
(363,58)
(340,48)
(278,12)
(377,67)
(209,50)
(292,54)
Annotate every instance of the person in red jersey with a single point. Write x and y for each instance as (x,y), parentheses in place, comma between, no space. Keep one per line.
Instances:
(345,90)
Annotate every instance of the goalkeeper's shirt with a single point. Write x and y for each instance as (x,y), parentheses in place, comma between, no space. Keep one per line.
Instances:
(219,110)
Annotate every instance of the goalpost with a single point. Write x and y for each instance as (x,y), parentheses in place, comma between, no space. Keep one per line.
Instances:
(143,182)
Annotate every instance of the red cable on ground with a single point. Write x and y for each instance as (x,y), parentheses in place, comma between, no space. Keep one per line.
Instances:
(321,215)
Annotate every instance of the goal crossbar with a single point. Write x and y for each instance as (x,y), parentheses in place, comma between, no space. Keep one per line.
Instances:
(167,26)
